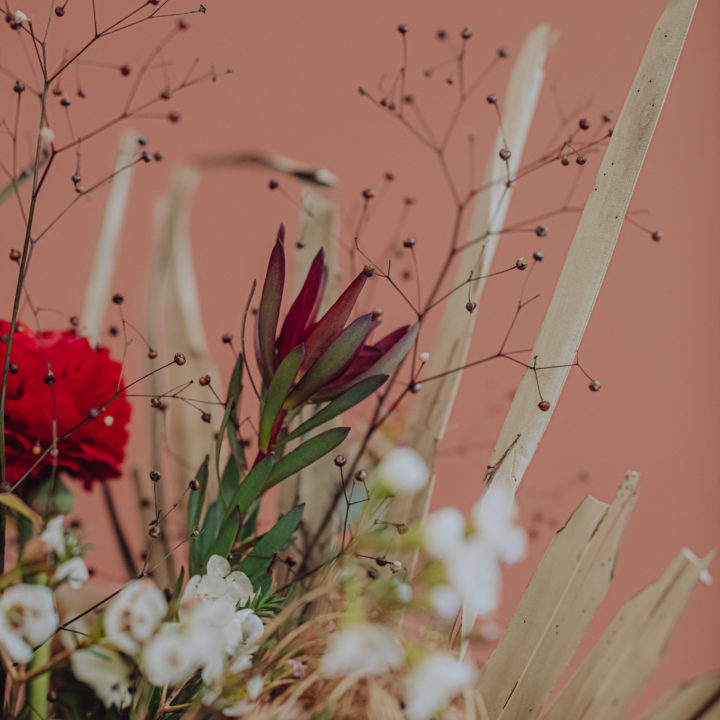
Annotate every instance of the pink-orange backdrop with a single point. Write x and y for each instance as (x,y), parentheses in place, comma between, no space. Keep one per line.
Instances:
(652,340)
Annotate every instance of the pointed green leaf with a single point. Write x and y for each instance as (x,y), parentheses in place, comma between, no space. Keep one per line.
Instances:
(332,361)
(259,558)
(14,503)
(306,454)
(201,545)
(355,395)
(252,485)
(226,535)
(197,497)
(234,390)
(277,392)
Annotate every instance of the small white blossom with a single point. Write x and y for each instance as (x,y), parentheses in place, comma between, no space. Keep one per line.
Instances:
(443,531)
(403,592)
(368,649)
(446,602)
(27,618)
(20,17)
(402,470)
(169,657)
(217,583)
(424,357)
(433,684)
(54,536)
(493,517)
(74,571)
(134,614)
(473,570)
(106,672)
(297,667)
(47,135)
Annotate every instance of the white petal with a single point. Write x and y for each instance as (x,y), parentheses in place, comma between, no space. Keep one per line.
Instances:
(433,684)
(218,566)
(27,617)
(54,536)
(401,471)
(168,658)
(74,571)
(106,673)
(446,602)
(369,649)
(443,531)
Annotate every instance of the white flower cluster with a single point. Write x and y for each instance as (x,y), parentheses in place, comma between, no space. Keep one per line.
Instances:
(472,561)
(401,471)
(27,612)
(214,633)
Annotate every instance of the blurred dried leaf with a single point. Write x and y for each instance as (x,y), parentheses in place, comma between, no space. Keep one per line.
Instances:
(569,584)
(696,699)
(631,647)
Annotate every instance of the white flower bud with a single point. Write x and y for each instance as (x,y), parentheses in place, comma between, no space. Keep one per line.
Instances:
(433,684)
(106,673)
(401,471)
(27,618)
(368,649)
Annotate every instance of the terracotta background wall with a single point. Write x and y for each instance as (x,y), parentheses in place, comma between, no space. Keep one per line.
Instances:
(652,341)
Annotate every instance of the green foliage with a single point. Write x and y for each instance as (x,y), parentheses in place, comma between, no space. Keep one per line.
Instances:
(252,486)
(201,546)
(229,421)
(306,454)
(197,497)
(275,395)
(273,541)
(355,395)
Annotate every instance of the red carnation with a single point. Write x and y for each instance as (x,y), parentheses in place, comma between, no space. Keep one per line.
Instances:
(58,374)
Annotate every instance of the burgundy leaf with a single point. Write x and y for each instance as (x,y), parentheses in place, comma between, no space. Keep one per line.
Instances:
(320,336)
(270,303)
(304,308)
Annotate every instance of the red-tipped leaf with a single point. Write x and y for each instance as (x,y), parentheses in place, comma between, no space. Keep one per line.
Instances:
(393,349)
(269,311)
(333,361)
(304,309)
(321,336)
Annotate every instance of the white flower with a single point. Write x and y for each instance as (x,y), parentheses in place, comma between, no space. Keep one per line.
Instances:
(403,592)
(433,684)
(134,614)
(106,673)
(74,571)
(20,17)
(27,618)
(446,602)
(424,357)
(474,572)
(401,471)
(47,135)
(443,532)
(493,517)
(169,658)
(219,582)
(368,649)
(53,535)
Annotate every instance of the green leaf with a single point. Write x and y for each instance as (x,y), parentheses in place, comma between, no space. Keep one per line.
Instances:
(62,501)
(277,392)
(229,484)
(355,395)
(250,524)
(201,546)
(175,597)
(310,451)
(252,485)
(259,558)
(226,535)
(332,361)
(197,497)
(233,395)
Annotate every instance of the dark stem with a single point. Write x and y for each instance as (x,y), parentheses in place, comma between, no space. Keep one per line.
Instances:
(119,532)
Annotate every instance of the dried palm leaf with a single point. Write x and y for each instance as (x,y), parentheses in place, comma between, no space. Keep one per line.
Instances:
(631,647)
(696,699)
(592,247)
(571,581)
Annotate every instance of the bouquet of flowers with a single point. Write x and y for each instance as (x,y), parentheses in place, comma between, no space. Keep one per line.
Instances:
(352,600)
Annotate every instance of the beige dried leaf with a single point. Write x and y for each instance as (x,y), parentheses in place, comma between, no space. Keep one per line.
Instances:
(99,286)
(630,649)
(569,584)
(696,699)
(593,245)
(451,348)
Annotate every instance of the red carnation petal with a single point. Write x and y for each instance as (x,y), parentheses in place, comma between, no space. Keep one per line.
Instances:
(301,311)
